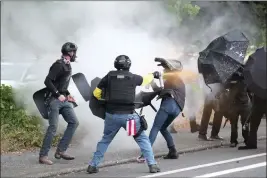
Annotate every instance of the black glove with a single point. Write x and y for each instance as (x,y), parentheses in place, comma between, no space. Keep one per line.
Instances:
(156,74)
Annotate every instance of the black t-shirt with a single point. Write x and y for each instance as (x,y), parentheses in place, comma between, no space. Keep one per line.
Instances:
(119,108)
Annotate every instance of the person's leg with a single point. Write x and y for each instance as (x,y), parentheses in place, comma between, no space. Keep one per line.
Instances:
(71,118)
(205,120)
(234,130)
(194,127)
(111,128)
(257,111)
(245,113)
(174,110)
(172,154)
(160,119)
(145,146)
(51,132)
(217,122)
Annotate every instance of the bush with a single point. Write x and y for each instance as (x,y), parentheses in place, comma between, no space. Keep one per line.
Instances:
(19,131)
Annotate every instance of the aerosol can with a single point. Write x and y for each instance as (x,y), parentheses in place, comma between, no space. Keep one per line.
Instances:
(161,82)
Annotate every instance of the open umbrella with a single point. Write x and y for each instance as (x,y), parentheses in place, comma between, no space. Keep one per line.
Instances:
(255,73)
(223,57)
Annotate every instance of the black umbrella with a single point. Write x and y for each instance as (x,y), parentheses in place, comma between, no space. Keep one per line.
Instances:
(223,57)
(255,73)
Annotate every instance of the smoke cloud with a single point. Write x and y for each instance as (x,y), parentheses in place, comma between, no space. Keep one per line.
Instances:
(35,31)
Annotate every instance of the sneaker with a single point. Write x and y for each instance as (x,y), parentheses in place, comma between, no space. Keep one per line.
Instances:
(141,159)
(92,169)
(204,138)
(217,137)
(234,144)
(154,168)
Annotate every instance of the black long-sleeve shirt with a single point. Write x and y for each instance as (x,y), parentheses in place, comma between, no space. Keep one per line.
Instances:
(58,78)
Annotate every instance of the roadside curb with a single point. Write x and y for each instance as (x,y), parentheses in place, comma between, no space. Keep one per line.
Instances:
(130,160)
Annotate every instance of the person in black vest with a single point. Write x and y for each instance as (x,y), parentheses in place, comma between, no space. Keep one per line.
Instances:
(259,108)
(59,101)
(119,94)
(172,103)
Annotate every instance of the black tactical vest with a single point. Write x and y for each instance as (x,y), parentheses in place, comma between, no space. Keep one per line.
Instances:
(63,80)
(121,88)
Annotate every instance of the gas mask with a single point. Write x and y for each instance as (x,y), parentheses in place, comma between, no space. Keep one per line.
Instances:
(73,58)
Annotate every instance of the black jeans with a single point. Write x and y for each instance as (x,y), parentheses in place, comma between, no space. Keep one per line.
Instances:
(259,108)
(244,112)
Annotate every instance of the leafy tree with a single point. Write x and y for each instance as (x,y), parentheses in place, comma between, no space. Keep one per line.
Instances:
(18,130)
(184,10)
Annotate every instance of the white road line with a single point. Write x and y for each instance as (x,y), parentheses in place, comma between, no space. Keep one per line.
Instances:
(228,171)
(204,165)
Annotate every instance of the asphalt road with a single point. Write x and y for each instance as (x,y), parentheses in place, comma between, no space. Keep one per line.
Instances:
(219,162)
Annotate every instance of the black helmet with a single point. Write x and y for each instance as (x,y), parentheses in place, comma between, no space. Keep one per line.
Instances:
(122,62)
(69,47)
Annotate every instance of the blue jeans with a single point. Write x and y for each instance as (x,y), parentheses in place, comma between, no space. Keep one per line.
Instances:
(113,123)
(57,107)
(167,112)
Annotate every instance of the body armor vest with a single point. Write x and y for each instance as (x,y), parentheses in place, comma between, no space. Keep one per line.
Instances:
(121,88)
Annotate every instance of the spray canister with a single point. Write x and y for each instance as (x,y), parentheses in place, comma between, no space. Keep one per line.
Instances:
(161,83)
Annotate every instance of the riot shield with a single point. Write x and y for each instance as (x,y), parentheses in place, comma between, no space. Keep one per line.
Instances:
(39,96)
(82,85)
(97,107)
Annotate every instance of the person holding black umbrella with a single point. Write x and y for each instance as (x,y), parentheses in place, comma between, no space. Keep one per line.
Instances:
(256,80)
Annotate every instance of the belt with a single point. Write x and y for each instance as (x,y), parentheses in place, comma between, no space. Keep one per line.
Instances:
(120,112)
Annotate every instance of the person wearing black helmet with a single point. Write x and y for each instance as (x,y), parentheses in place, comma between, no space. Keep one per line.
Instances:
(59,101)
(119,86)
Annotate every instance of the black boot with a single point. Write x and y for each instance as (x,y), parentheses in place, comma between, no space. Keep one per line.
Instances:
(247,147)
(194,126)
(173,154)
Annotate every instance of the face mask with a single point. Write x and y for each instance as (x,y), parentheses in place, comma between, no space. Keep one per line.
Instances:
(66,61)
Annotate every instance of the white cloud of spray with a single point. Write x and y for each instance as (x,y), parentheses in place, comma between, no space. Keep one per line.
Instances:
(35,31)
